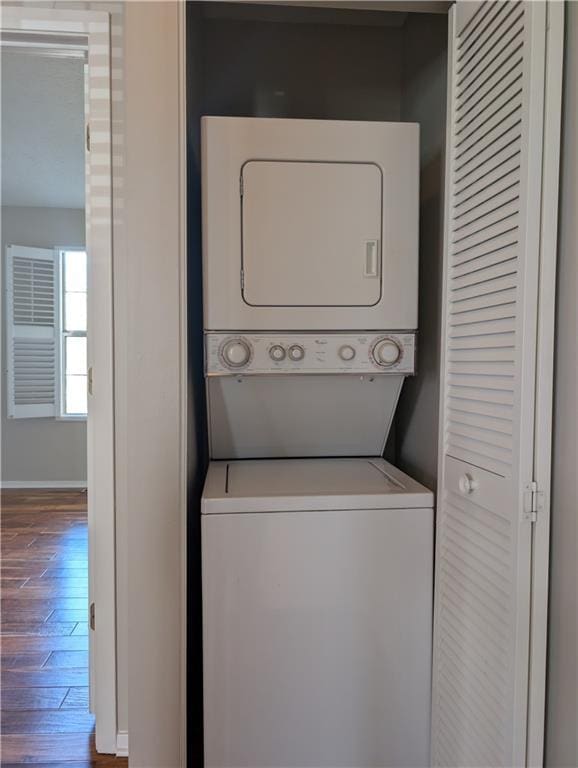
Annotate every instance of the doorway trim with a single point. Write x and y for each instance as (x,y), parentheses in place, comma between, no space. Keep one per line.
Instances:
(91,31)
(554,69)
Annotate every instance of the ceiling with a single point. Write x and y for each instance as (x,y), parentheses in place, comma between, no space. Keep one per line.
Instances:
(42,130)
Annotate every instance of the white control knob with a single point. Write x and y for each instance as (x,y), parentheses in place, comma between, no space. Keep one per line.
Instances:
(277,352)
(236,353)
(386,352)
(346,352)
(296,352)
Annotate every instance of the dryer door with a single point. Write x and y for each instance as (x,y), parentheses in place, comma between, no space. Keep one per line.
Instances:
(311,233)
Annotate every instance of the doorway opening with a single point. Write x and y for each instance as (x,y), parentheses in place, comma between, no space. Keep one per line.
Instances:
(58,505)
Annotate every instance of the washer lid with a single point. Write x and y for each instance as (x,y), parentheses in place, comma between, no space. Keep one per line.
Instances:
(284,485)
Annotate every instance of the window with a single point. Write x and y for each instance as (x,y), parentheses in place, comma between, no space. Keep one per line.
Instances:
(73,367)
(46,308)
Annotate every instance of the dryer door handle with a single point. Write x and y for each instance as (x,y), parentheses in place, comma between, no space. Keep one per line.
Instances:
(371,258)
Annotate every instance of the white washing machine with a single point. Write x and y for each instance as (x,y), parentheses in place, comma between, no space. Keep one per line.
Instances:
(317,614)
(316,553)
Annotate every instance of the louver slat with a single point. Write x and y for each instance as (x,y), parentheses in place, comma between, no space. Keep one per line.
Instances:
(470,146)
(485,232)
(493,55)
(485,110)
(479,704)
(506,173)
(32,332)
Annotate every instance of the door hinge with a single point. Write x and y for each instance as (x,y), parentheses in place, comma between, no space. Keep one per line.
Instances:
(89,380)
(241,186)
(242,280)
(533,502)
(88,137)
(91,614)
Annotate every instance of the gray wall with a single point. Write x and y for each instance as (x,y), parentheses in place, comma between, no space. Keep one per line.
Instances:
(41,450)
(424,101)
(323,71)
(562,691)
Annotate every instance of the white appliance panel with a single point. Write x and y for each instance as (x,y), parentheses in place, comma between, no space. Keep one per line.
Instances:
(278,353)
(311,233)
(296,415)
(302,250)
(317,636)
(288,485)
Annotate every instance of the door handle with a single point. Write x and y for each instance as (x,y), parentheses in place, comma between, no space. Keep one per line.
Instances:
(468,484)
(371,258)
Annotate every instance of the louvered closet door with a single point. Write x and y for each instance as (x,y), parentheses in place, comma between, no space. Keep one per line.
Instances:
(32,349)
(493,192)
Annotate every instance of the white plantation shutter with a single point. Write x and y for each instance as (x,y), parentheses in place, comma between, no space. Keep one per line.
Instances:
(32,348)
(491,267)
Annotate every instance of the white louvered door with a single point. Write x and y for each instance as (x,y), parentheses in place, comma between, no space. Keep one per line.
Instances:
(32,323)
(491,267)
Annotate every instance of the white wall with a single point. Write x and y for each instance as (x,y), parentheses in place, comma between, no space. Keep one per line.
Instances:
(41,450)
(155,369)
(562,691)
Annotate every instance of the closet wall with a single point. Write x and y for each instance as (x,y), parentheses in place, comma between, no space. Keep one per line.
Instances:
(423,91)
(197,452)
(289,68)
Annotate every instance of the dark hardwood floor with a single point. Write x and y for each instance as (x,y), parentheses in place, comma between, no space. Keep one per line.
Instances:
(44,633)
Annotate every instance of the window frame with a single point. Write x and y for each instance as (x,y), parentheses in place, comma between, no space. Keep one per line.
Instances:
(63,334)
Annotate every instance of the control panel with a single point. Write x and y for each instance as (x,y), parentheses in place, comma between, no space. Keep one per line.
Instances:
(263,353)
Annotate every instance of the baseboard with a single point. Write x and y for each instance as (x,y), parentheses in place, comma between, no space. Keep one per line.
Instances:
(63,484)
(122,744)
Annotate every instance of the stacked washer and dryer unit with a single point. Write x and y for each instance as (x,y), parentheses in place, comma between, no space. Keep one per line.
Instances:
(317,554)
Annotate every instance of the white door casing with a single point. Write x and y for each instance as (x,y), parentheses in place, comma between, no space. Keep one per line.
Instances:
(92,30)
(494,169)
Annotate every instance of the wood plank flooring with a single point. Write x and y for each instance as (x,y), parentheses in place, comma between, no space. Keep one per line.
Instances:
(44,715)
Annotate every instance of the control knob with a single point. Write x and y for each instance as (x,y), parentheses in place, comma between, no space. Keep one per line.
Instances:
(386,352)
(236,353)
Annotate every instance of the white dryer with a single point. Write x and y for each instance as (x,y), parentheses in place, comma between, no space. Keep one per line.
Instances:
(309,224)
(317,615)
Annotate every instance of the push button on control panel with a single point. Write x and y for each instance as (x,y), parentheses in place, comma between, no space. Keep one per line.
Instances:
(296,352)
(277,352)
(346,352)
